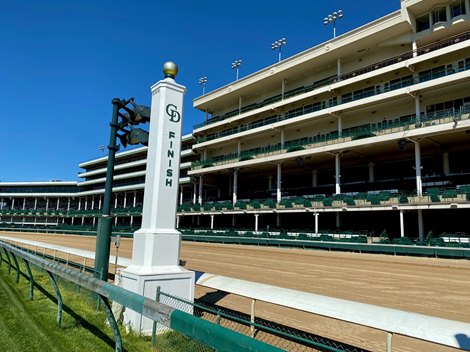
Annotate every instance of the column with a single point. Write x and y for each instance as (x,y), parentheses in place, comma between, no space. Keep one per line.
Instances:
(445,163)
(86,203)
(100,203)
(235,186)
(316,222)
(212,221)
(200,190)
(338,68)
(68,204)
(282,138)
(79,203)
(278,220)
(194,192)
(419,184)
(35,203)
(239,105)
(181,195)
(315,178)
(47,203)
(1,204)
(256,223)
(177,222)
(420,225)
(58,203)
(340,125)
(371,171)
(402,224)
(270,182)
(417,110)
(24,203)
(337,174)
(125,201)
(239,147)
(279,181)
(283,88)
(414,47)
(12,203)
(338,220)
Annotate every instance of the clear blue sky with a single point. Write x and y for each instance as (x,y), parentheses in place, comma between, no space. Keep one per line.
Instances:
(62,62)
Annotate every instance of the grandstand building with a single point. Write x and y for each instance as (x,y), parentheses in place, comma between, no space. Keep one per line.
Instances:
(366,132)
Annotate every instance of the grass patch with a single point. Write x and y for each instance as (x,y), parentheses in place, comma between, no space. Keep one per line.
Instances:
(31,325)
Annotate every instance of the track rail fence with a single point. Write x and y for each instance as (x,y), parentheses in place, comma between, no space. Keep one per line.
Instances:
(205,332)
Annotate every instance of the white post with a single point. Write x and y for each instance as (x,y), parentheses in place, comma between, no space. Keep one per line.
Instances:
(414,47)
(212,221)
(24,203)
(194,193)
(57,207)
(315,178)
(419,183)
(239,103)
(239,147)
(256,223)
(282,138)
(99,203)
(47,203)
(156,248)
(402,224)
(125,201)
(418,110)
(68,204)
(337,174)
(35,203)
(201,179)
(278,186)
(283,88)
(338,68)
(177,222)
(340,126)
(12,203)
(235,186)
(86,204)
(181,195)
(316,222)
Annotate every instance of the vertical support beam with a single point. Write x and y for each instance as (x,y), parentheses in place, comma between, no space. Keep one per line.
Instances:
(279,181)
(282,138)
(420,225)
(194,192)
(414,47)
(371,171)
(79,203)
(31,279)
(35,203)
(212,221)
(239,105)
(340,125)
(177,222)
(86,203)
(445,163)
(338,68)
(68,204)
(389,342)
(58,204)
(12,203)
(338,219)
(256,223)
(58,296)
(270,182)
(235,186)
(233,220)
(419,183)
(316,222)
(283,88)
(181,195)
(402,224)
(112,324)
(239,147)
(24,202)
(278,220)
(314,178)
(337,174)
(252,317)
(417,110)
(201,179)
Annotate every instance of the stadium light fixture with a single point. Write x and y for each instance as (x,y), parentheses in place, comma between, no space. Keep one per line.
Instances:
(332,19)
(202,81)
(236,65)
(278,44)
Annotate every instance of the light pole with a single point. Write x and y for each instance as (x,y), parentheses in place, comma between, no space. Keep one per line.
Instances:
(236,65)
(332,18)
(202,81)
(278,44)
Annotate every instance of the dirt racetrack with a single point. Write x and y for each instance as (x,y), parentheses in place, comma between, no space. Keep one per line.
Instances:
(437,287)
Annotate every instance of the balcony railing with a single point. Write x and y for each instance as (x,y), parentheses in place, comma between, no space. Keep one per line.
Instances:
(333,79)
(359,132)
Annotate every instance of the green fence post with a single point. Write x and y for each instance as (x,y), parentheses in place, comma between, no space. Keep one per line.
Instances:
(31,280)
(112,323)
(8,259)
(59,298)
(1,258)
(17,267)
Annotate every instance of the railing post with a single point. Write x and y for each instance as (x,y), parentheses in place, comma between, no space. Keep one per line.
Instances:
(17,267)
(59,298)
(389,342)
(8,260)
(252,318)
(31,280)
(112,323)
(154,326)
(1,258)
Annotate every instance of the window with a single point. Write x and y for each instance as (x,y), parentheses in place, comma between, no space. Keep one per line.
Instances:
(422,23)
(439,14)
(457,8)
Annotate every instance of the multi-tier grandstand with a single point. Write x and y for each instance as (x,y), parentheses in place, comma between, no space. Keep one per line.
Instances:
(366,133)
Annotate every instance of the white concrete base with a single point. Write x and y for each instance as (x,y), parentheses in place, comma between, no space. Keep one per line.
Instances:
(174,280)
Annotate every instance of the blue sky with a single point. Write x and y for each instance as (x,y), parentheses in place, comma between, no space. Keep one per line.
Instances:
(62,62)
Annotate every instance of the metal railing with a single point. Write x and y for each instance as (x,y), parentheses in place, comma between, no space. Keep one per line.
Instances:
(211,335)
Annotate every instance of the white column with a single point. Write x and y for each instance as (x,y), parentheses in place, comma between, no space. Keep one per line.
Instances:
(402,224)
(256,223)
(283,88)
(79,204)
(24,203)
(445,163)
(177,222)
(68,204)
(315,178)
(239,147)
(86,203)
(414,47)
(340,125)
(371,171)
(282,138)
(235,186)
(125,201)
(13,203)
(239,105)
(35,203)
(418,110)
(316,222)
(134,200)
(115,200)
(337,174)
(420,225)
(338,68)
(270,182)
(156,247)
(201,178)
(419,183)
(278,220)
(212,221)
(47,203)
(1,205)
(194,193)
(279,181)
(233,220)
(58,200)
(181,195)
(99,202)
(338,220)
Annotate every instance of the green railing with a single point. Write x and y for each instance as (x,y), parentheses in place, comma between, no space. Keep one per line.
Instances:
(211,335)
(330,80)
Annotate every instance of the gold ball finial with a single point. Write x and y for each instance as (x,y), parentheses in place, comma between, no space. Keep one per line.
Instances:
(170,70)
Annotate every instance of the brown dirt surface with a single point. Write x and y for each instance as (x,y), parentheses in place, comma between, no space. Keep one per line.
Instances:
(430,286)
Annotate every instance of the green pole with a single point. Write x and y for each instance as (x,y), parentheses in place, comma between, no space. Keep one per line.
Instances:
(103,236)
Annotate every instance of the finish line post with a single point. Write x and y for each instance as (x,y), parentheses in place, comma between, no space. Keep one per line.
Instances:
(156,249)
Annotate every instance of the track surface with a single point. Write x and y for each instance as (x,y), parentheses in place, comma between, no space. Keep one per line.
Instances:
(436,287)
